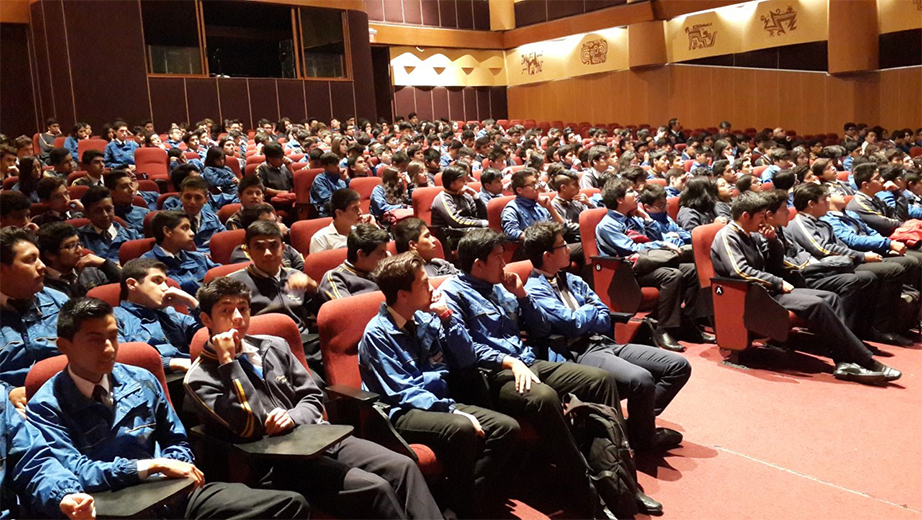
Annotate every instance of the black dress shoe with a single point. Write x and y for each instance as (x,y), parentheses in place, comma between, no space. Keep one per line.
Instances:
(859,374)
(664,340)
(890,338)
(664,439)
(646,505)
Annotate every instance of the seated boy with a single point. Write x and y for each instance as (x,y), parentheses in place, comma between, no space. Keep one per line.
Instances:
(491,184)
(366,246)
(412,234)
(290,256)
(120,151)
(52,192)
(15,210)
(61,161)
(247,387)
(458,208)
(251,191)
(402,359)
(193,192)
(346,210)
(67,268)
(569,202)
(146,315)
(274,173)
(662,227)
(104,235)
(28,311)
(175,248)
(331,179)
(122,189)
(112,426)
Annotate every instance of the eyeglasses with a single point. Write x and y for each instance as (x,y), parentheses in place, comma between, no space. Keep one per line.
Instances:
(561,246)
(75,246)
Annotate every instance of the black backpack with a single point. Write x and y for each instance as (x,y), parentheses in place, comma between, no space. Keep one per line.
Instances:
(601,436)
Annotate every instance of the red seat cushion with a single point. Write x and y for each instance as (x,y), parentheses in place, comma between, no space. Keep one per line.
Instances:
(428,464)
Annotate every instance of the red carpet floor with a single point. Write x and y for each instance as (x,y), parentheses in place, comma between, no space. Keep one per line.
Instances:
(784,439)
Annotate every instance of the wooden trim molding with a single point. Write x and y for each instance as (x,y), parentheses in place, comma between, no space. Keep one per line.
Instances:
(391,34)
(593,21)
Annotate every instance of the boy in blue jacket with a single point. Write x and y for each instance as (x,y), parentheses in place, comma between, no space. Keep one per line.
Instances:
(175,248)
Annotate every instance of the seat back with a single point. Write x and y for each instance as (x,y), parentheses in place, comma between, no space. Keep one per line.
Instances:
(522,268)
(9,182)
(134,249)
(234,165)
(303,231)
(495,210)
(278,325)
(227,211)
(365,185)
(317,264)
(152,161)
(702,238)
(757,171)
(74,176)
(588,220)
(672,207)
(163,196)
(223,243)
(301,183)
(223,270)
(111,294)
(135,354)
(341,324)
(89,144)
(422,203)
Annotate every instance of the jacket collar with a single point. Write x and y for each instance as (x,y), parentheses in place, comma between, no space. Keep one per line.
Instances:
(525,203)
(145,314)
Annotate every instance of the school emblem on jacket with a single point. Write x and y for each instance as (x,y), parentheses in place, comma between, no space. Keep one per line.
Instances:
(780,22)
(594,52)
(531,63)
(699,37)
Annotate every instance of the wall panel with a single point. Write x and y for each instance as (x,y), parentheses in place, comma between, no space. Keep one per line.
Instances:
(263,99)
(498,103)
(423,102)
(362,69)
(456,103)
(42,73)
(470,104)
(318,100)
(342,98)
(440,103)
(59,64)
(235,99)
(17,97)
(291,99)
(203,99)
(168,101)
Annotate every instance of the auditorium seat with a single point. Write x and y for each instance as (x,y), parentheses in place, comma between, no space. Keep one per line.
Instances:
(74,176)
(494,213)
(223,270)
(317,264)
(163,196)
(234,165)
(147,225)
(89,144)
(153,162)
(302,181)
(672,207)
(422,203)
(227,211)
(9,182)
(134,249)
(365,185)
(303,231)
(223,243)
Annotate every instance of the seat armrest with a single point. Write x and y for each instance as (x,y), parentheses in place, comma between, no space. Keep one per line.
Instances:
(731,281)
(348,392)
(620,317)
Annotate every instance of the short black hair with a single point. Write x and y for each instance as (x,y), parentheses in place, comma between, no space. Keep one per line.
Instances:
(211,293)
(406,231)
(487,175)
(252,214)
(863,173)
(57,155)
(273,150)
(341,199)
(194,183)
(365,238)
(518,178)
(50,236)
(11,200)
(165,219)
(477,245)
(329,158)
(452,174)
(615,189)
(748,202)
(47,185)
(110,179)
(77,311)
(785,179)
(250,181)
(180,173)
(539,239)
(262,228)
(9,238)
(775,199)
(745,181)
(807,193)
(652,193)
(138,269)
(94,195)
(89,155)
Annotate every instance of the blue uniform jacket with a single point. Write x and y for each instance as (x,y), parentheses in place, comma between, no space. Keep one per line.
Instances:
(30,337)
(592,317)
(221,178)
(612,239)
(322,190)
(660,224)
(379,204)
(118,153)
(188,268)
(520,213)
(102,445)
(71,144)
(410,374)
(133,215)
(27,467)
(215,202)
(490,313)
(105,248)
(210,225)
(769,173)
(856,234)
(901,203)
(167,330)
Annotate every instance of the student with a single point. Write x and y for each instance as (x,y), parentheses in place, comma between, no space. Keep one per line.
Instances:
(94,164)
(175,248)
(251,191)
(120,151)
(218,175)
(354,478)
(104,235)
(659,165)
(15,211)
(177,176)
(648,377)
(8,162)
(290,256)
(146,315)
(676,284)
(594,177)
(345,205)
(527,207)
(491,184)
(412,234)
(402,358)
(676,178)
(458,207)
(331,179)
(61,161)
(193,192)
(67,268)
(28,311)
(123,192)
(87,411)
(193,144)
(781,160)
(697,204)
(366,246)
(274,173)
(872,210)
(747,182)
(569,202)
(30,172)
(724,198)
(894,193)
(736,254)
(47,138)
(390,195)
(52,192)
(489,303)
(662,227)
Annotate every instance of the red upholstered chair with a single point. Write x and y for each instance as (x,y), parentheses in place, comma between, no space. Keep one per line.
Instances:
(915,151)
(688,164)
(494,212)
(522,268)
(672,207)
(743,310)
(134,249)
(842,176)
(223,244)
(74,176)
(661,182)
(303,230)
(278,325)
(438,179)
(768,186)
(234,165)
(223,270)
(135,354)
(250,169)
(111,292)
(147,225)
(365,185)
(302,181)
(9,182)
(256,159)
(191,156)
(90,144)
(590,192)
(227,211)
(152,161)
(341,324)
(422,203)
(317,264)
(59,142)
(614,280)
(162,198)
(757,171)
(79,222)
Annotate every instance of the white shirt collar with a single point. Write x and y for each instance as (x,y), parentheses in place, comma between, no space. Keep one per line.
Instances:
(399,320)
(111,232)
(86,387)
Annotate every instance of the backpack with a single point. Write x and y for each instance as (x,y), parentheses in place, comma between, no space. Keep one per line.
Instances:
(601,436)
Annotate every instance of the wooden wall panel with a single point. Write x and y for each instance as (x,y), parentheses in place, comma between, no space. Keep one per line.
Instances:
(362,68)
(481,15)
(465,10)
(318,100)
(342,98)
(456,103)
(17,96)
(404,101)
(234,96)
(430,12)
(440,103)
(263,99)
(470,104)
(448,14)
(423,102)
(59,64)
(168,102)
(393,11)
(412,12)
(291,99)
(203,99)
(484,111)
(498,103)
(375,9)
(45,106)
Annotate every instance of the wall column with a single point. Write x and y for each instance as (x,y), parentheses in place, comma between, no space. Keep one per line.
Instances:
(853,43)
(647,44)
